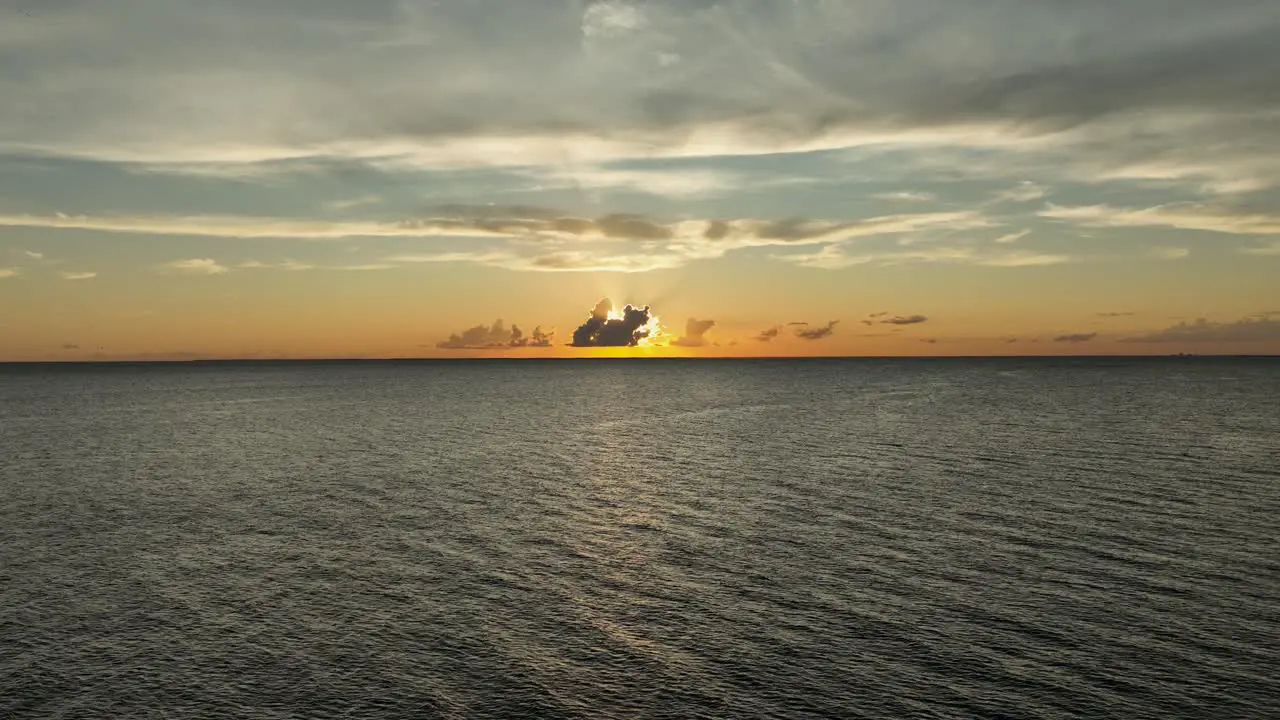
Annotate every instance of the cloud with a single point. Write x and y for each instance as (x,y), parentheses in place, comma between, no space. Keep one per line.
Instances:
(908,320)
(70,346)
(905,196)
(605,329)
(768,335)
(1183,216)
(1075,338)
(9,273)
(445,83)
(33,255)
(195,266)
(685,183)
(837,256)
(1115,314)
(534,239)
(1012,237)
(818,332)
(695,332)
(496,336)
(298,266)
(1263,327)
(353,203)
(77,275)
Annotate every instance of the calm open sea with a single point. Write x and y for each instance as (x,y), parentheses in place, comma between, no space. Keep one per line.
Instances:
(590,539)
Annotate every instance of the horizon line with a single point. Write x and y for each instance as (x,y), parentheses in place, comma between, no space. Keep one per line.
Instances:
(699,358)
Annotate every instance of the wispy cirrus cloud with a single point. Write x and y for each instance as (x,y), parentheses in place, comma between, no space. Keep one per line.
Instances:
(838,256)
(530,238)
(77,275)
(512,222)
(8,272)
(1183,216)
(195,266)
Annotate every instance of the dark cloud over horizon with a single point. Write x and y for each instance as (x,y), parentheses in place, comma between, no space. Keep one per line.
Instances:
(602,331)
(495,336)
(1075,338)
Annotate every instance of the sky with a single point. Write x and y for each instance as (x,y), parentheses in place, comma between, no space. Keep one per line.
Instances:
(440,178)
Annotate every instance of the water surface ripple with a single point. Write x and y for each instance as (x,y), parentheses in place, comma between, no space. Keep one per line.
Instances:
(853,539)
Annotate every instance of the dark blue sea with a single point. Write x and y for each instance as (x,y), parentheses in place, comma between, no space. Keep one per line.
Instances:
(1009,538)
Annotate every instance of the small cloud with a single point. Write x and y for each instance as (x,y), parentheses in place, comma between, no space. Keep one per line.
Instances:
(70,346)
(363,201)
(9,272)
(1025,259)
(498,335)
(1075,338)
(767,335)
(908,320)
(929,341)
(77,275)
(694,333)
(817,333)
(905,196)
(196,266)
(1011,341)
(361,268)
(1169,253)
(33,255)
(1012,237)
(1115,314)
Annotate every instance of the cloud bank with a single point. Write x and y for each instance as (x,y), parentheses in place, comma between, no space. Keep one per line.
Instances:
(1259,328)
(496,336)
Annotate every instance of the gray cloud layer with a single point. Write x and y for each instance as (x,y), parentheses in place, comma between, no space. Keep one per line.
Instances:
(1183,84)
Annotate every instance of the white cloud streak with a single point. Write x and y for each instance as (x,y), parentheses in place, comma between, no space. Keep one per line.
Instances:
(195,266)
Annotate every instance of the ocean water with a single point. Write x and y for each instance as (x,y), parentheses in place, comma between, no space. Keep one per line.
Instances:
(648,539)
